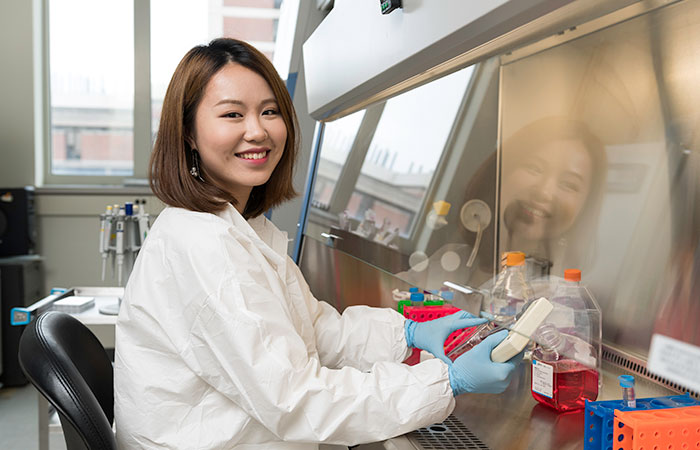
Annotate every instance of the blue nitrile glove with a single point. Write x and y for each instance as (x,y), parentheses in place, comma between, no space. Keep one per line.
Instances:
(475,372)
(431,335)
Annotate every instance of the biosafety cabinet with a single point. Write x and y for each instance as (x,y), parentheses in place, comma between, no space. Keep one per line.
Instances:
(450,132)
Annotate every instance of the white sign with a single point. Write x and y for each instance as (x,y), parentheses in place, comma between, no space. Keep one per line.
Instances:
(675,360)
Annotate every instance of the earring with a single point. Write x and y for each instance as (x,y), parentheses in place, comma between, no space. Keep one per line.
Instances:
(194,170)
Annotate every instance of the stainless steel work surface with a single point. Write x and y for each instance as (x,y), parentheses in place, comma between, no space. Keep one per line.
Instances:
(513,420)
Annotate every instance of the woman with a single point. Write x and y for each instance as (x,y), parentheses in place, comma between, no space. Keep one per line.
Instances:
(220,344)
(553,178)
(552,182)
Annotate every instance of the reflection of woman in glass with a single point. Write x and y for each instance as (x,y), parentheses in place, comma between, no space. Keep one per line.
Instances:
(552,182)
(553,175)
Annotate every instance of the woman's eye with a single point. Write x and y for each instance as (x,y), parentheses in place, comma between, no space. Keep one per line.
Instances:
(570,186)
(270,112)
(533,169)
(233,115)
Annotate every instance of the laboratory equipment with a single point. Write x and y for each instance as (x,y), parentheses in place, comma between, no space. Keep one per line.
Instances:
(471,338)
(18,231)
(475,216)
(74,304)
(123,229)
(431,334)
(105,234)
(417,298)
(436,217)
(563,370)
(424,313)
(521,329)
(510,291)
(476,372)
(627,385)
(599,416)
(120,244)
(566,362)
(675,428)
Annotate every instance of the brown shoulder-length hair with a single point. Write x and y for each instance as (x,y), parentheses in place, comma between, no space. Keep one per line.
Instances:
(172,155)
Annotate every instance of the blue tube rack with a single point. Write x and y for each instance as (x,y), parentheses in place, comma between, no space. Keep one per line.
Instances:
(600,417)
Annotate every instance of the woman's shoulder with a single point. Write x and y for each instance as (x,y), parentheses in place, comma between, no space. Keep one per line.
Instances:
(173,219)
(180,227)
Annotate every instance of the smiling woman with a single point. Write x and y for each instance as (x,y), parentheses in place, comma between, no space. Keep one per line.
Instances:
(552,181)
(220,342)
(238,132)
(227,116)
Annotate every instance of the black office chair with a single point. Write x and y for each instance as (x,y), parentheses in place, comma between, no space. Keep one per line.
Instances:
(69,366)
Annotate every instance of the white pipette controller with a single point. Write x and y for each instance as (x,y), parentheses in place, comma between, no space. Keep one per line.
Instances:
(521,330)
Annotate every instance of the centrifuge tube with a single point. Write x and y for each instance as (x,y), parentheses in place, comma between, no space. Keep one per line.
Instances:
(627,384)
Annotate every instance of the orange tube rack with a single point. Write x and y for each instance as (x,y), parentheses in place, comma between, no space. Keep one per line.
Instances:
(660,429)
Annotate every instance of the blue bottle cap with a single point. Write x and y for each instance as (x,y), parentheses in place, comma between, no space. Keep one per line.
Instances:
(417,297)
(129,208)
(447,295)
(626,381)
(413,289)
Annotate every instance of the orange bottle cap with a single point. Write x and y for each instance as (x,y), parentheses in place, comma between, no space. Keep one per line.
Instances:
(515,258)
(572,275)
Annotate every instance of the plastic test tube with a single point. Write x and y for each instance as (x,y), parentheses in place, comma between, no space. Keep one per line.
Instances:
(627,384)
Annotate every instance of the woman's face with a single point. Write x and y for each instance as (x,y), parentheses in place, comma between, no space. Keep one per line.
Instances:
(543,193)
(239,132)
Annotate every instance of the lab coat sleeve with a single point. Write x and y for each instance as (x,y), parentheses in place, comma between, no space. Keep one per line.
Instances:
(243,344)
(360,337)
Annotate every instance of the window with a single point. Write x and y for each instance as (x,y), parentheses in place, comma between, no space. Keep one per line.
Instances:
(92,87)
(109,68)
(405,150)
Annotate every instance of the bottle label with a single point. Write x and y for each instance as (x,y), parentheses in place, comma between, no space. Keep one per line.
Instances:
(542,378)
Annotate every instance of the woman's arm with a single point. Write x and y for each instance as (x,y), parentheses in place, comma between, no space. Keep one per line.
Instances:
(359,337)
(243,344)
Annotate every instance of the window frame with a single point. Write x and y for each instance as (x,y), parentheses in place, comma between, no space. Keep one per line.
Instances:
(142,103)
(141,115)
(350,172)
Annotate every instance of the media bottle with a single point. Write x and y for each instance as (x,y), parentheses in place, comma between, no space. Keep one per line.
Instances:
(566,360)
(504,301)
(511,290)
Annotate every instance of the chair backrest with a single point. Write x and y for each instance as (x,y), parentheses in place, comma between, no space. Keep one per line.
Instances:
(69,366)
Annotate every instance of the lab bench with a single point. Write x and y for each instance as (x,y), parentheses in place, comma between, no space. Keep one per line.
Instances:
(514,420)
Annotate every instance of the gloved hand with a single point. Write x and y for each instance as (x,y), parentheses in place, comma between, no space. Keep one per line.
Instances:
(475,372)
(431,335)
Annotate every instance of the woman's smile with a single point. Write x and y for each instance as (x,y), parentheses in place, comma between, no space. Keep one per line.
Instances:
(254,156)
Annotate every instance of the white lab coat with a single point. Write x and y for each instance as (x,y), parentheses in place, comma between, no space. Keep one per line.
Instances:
(220,344)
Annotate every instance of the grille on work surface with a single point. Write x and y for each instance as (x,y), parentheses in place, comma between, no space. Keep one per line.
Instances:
(450,434)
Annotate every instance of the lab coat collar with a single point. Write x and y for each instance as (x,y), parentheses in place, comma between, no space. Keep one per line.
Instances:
(258,229)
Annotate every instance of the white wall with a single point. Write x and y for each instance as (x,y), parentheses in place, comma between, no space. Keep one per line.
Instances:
(68,226)
(16,94)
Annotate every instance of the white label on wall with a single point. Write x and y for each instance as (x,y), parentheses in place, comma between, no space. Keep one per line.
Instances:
(675,360)
(542,378)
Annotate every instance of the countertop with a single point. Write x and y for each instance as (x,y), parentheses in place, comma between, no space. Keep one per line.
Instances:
(514,420)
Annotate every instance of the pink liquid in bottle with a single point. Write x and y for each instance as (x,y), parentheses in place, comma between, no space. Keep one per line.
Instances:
(571,384)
